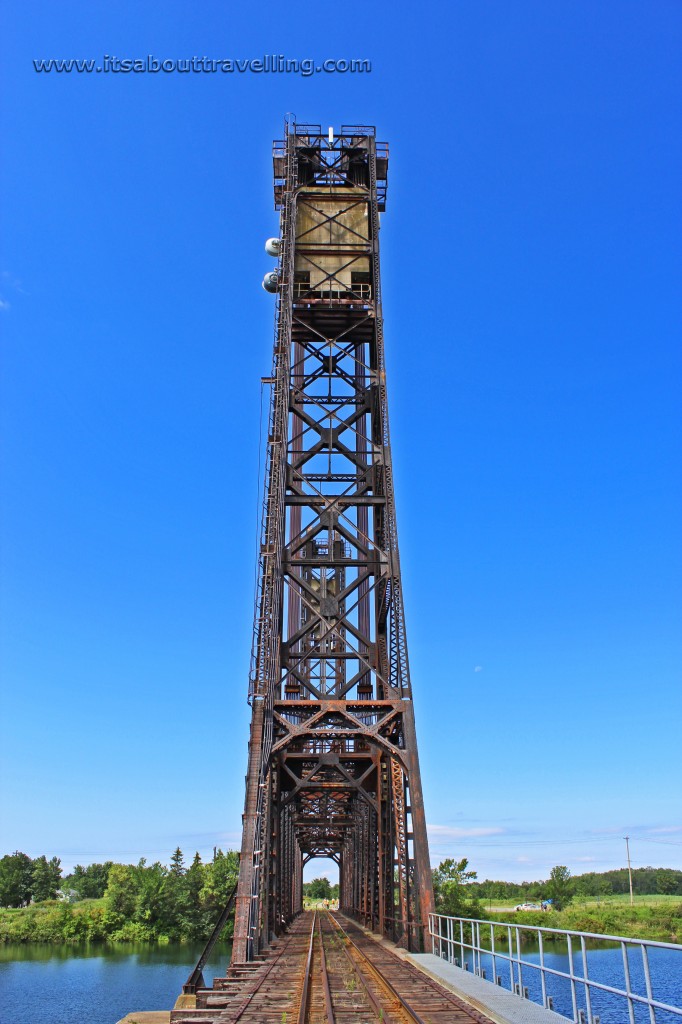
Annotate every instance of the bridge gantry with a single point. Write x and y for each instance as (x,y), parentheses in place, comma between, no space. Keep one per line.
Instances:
(333,768)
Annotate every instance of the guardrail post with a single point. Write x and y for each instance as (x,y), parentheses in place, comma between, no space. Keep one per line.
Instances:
(574,994)
(588,993)
(492,949)
(647,981)
(628,984)
(511,961)
(519,970)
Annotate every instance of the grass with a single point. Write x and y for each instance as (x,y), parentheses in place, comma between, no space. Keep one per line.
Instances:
(620,899)
(654,919)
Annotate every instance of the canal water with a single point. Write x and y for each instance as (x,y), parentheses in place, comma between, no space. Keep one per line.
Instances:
(99,985)
(605,966)
(94,984)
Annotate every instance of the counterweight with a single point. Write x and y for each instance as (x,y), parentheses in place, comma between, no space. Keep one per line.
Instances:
(333,769)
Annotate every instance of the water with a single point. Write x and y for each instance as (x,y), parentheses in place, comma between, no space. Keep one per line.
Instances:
(94,984)
(99,985)
(605,965)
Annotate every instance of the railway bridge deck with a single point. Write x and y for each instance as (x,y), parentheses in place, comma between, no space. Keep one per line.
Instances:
(327,970)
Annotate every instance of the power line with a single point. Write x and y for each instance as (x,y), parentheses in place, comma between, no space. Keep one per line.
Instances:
(466,840)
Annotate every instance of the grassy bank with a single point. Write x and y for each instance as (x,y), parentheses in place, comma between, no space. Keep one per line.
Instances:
(655,918)
(651,918)
(55,922)
(619,899)
(59,923)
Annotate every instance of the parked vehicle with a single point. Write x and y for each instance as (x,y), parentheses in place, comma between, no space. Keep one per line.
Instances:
(528,906)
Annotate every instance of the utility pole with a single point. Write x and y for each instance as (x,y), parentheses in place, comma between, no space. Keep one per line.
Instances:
(627,847)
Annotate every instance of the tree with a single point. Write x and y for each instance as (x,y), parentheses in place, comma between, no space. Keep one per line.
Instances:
(450,880)
(666,881)
(220,878)
(121,895)
(45,878)
(560,887)
(16,876)
(319,889)
(151,902)
(91,882)
(195,924)
(177,865)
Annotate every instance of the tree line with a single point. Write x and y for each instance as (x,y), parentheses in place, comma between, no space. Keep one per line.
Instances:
(155,902)
(122,902)
(646,881)
(458,894)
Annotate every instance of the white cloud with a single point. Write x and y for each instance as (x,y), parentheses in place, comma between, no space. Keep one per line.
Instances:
(4,306)
(450,832)
(478,668)
(11,282)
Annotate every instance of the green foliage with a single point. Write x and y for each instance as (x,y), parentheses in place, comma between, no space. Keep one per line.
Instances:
(647,881)
(45,878)
(16,879)
(220,878)
(120,897)
(452,894)
(91,882)
(560,887)
(318,889)
(658,922)
(54,922)
(141,902)
(667,882)
(177,867)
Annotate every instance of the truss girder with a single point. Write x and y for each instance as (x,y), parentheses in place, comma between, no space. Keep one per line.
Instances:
(333,764)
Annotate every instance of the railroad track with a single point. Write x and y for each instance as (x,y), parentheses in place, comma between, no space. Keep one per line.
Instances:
(328,971)
(349,977)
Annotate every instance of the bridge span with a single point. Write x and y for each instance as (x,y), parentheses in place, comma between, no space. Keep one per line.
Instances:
(327,970)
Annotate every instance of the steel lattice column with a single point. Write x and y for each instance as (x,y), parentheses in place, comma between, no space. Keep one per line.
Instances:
(333,766)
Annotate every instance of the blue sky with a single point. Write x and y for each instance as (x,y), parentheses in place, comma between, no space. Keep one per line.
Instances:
(531,262)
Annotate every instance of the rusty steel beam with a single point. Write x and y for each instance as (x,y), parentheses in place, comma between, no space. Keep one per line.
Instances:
(333,765)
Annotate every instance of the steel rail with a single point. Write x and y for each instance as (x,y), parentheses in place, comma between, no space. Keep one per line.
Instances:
(400,1004)
(329,1008)
(305,994)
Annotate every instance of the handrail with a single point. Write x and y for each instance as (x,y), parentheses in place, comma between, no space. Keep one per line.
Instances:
(448,935)
(196,978)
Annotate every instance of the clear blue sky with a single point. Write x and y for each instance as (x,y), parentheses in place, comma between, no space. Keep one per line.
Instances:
(531,269)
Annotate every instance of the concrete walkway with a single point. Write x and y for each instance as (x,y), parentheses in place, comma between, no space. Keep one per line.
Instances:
(502,1006)
(147,1017)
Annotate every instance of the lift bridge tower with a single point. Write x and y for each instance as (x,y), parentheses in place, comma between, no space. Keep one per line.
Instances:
(333,769)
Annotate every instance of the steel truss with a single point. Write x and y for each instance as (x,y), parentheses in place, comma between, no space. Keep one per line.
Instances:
(333,769)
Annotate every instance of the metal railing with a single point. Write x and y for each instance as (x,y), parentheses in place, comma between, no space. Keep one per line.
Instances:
(494,945)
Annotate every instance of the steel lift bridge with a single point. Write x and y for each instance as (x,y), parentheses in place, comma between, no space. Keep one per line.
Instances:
(333,769)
